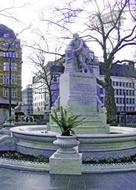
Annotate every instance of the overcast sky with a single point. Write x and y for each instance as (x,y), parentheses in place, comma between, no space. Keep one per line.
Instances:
(29,14)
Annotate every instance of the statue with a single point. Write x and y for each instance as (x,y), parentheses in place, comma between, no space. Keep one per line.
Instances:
(82,55)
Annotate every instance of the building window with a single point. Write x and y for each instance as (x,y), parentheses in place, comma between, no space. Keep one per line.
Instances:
(6,66)
(13,67)
(131,102)
(113,82)
(132,92)
(133,109)
(9,54)
(5,92)
(120,92)
(13,93)
(132,85)
(6,79)
(121,100)
(11,44)
(6,35)
(13,79)
(14,44)
(117,91)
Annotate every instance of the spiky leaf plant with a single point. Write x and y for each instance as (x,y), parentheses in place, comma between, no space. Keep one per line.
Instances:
(65,121)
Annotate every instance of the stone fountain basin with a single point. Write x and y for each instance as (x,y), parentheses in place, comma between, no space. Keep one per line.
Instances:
(35,140)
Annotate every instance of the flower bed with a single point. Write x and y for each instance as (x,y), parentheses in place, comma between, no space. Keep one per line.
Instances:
(18,156)
(126,159)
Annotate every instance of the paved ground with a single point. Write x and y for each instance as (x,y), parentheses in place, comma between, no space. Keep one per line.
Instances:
(23,180)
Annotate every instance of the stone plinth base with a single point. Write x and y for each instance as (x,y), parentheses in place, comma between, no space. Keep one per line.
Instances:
(78,94)
(65,164)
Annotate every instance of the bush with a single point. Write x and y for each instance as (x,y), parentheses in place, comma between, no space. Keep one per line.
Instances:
(126,159)
(24,157)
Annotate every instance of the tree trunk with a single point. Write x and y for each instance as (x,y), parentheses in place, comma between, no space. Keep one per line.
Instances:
(50,99)
(110,101)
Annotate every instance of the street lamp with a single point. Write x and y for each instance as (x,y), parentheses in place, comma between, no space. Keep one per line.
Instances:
(10,56)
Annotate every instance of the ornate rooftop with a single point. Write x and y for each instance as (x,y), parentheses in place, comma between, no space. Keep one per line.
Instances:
(6,32)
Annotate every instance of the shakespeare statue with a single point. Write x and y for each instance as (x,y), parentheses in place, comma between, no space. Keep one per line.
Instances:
(80,53)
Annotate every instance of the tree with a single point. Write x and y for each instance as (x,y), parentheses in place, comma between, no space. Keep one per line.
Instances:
(132,8)
(45,74)
(104,26)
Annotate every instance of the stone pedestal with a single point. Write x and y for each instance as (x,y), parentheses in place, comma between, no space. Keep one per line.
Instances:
(66,160)
(78,94)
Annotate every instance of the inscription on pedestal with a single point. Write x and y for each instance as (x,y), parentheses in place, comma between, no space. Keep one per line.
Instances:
(81,87)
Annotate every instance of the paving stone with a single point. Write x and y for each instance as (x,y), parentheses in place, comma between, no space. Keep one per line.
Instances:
(26,180)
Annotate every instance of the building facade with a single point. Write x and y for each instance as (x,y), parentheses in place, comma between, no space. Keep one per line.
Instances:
(27,101)
(38,98)
(10,71)
(41,99)
(124,84)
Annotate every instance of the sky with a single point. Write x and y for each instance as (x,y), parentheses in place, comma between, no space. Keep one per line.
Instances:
(29,14)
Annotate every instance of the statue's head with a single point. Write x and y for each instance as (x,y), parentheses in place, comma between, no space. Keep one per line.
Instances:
(76,36)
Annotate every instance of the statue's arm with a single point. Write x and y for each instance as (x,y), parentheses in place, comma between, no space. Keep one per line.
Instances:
(80,46)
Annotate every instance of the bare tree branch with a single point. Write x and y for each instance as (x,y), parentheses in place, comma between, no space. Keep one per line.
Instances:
(104,26)
(5,12)
(48,52)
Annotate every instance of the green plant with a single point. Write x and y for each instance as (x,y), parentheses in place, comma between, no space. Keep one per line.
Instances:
(24,157)
(65,121)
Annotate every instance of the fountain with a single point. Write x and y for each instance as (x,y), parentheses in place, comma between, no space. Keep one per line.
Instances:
(78,95)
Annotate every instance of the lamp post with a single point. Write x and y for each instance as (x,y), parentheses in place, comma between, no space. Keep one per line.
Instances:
(10,88)
(10,56)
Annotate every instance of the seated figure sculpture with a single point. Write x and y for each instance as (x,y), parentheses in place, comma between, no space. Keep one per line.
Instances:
(81,53)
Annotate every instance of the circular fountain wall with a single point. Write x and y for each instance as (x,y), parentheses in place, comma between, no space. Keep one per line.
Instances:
(35,140)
